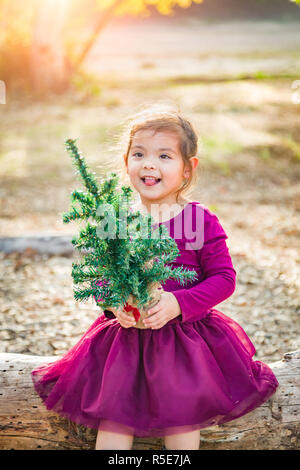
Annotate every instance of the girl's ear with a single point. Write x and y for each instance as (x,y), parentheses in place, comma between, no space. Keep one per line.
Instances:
(194,163)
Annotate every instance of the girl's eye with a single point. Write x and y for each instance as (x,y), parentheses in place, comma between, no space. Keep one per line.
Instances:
(165,155)
(136,154)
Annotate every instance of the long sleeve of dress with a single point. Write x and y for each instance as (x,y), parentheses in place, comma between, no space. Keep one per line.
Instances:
(219,275)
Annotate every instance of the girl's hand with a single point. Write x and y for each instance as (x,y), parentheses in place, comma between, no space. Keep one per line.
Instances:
(126,319)
(166,309)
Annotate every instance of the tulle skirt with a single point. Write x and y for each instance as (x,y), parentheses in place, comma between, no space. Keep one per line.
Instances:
(176,379)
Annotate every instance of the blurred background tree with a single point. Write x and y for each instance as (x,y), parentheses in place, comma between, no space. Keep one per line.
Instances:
(45,43)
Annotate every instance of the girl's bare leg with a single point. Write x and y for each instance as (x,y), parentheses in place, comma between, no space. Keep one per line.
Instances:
(107,440)
(186,441)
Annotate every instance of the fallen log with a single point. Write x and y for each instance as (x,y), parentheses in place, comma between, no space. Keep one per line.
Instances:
(25,423)
(59,245)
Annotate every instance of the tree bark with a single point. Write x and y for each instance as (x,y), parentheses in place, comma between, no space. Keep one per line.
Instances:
(101,22)
(49,66)
(27,424)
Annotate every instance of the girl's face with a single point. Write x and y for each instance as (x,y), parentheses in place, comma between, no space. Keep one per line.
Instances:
(156,155)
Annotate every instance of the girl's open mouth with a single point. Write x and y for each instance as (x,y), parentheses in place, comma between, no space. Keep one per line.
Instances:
(150,181)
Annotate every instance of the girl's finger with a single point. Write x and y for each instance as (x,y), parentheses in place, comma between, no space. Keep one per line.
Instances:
(126,316)
(127,320)
(129,314)
(152,313)
(152,323)
(153,310)
(127,323)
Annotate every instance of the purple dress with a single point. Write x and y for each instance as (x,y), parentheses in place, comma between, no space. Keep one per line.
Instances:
(194,372)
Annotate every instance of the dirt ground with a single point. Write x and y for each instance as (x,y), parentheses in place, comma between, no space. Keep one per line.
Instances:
(234,81)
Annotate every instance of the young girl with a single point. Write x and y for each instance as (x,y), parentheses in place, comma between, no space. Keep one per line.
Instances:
(191,367)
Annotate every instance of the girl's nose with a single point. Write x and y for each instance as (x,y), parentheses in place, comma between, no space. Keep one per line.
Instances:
(148,164)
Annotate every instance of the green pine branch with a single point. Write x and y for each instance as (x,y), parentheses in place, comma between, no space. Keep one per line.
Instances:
(81,167)
(124,265)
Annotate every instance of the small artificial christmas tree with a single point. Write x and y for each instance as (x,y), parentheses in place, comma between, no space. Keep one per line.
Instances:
(126,259)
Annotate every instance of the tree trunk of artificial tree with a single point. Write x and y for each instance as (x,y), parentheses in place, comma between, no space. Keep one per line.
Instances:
(27,424)
(155,291)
